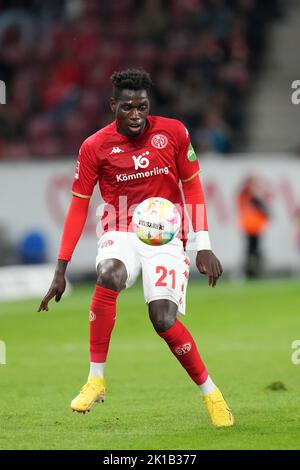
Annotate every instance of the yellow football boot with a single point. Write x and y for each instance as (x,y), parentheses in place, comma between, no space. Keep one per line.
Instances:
(93,391)
(218,410)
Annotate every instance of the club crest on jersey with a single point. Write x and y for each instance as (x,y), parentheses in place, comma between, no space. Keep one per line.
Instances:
(159,141)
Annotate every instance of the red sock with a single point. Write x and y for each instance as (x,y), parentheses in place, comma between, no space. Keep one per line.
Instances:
(102,320)
(182,345)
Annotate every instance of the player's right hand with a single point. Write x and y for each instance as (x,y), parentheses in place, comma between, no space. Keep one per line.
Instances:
(56,290)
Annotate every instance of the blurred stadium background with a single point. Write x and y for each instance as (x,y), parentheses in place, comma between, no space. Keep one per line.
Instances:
(226,68)
(221,66)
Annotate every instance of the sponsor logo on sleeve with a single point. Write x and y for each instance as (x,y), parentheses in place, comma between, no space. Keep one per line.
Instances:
(191,154)
(77,170)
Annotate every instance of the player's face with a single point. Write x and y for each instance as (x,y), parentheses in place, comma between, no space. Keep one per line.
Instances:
(131,111)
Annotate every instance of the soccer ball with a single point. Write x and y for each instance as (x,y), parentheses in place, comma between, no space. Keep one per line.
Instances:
(156,221)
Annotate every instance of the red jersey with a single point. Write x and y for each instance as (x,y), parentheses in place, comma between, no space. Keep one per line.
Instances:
(129,170)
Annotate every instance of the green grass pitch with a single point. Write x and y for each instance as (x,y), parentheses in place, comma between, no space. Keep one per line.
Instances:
(244,333)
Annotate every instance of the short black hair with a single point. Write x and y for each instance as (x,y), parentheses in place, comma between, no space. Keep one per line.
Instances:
(130,79)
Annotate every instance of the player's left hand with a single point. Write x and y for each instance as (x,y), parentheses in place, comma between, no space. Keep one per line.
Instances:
(207,263)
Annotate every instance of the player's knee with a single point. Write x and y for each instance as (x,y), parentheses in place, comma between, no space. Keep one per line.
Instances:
(162,314)
(112,274)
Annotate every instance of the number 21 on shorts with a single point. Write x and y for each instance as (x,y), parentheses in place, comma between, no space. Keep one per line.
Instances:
(165,275)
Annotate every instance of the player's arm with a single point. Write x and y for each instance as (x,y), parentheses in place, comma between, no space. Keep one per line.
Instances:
(206,262)
(188,168)
(73,228)
(85,179)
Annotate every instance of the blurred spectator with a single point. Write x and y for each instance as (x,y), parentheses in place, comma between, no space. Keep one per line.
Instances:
(213,135)
(56,58)
(253,216)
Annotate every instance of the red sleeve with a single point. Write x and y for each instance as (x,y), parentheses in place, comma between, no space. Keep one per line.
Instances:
(187,162)
(86,174)
(195,203)
(73,227)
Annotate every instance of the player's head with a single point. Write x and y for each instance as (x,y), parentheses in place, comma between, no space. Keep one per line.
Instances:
(130,102)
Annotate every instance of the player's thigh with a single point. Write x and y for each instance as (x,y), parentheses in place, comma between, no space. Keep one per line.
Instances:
(118,246)
(165,276)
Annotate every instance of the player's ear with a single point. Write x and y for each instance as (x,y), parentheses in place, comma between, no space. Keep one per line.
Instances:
(113,104)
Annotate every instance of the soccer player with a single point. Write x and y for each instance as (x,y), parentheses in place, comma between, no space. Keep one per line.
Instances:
(135,157)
